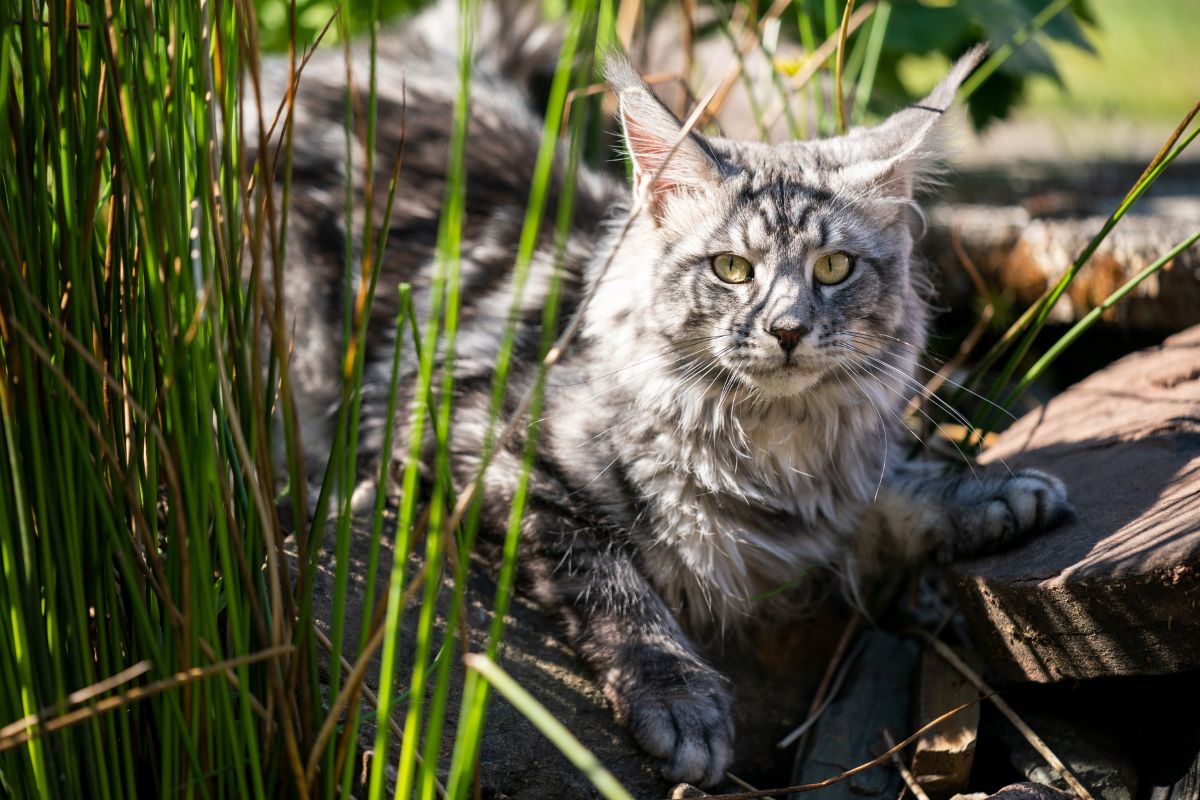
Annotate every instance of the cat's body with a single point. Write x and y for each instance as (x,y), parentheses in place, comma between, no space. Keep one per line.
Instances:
(704,442)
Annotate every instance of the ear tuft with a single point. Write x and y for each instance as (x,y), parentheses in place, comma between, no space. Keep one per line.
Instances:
(912,131)
(651,132)
(942,96)
(620,74)
(906,149)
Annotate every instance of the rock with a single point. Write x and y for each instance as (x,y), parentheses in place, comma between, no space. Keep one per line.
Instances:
(1187,787)
(1021,256)
(1094,758)
(1030,791)
(515,759)
(875,696)
(1116,591)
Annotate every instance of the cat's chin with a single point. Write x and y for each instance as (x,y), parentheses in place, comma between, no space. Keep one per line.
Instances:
(788,380)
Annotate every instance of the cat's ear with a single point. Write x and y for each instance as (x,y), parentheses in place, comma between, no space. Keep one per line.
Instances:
(651,131)
(907,148)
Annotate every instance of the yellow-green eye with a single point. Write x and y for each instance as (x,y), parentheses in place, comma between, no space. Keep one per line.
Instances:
(731,268)
(833,268)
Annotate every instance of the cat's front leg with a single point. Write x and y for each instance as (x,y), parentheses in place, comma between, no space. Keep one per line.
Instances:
(677,707)
(952,517)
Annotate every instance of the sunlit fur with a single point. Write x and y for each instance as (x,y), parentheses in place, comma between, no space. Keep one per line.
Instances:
(688,465)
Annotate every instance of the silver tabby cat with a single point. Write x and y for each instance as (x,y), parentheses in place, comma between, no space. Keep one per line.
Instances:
(724,425)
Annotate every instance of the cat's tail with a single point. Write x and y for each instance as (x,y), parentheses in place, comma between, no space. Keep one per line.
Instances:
(512,40)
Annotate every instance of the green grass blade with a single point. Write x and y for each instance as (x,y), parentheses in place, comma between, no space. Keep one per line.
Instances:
(551,728)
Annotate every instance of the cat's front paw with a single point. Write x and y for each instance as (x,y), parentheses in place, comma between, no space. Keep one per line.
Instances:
(683,715)
(1010,509)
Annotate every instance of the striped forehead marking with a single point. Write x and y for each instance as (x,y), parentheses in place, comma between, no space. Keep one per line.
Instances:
(783,208)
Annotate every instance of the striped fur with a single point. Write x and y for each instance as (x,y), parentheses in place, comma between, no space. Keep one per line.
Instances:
(687,464)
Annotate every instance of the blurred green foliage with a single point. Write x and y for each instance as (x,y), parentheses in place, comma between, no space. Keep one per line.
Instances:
(915,29)
(312,16)
(923,28)
(1146,65)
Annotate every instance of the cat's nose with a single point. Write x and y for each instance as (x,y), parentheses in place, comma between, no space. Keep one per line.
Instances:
(788,335)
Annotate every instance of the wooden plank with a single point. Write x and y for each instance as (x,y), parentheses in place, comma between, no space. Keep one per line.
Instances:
(942,757)
(1114,592)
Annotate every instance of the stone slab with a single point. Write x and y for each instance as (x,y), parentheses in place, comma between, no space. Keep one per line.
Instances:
(877,695)
(1117,590)
(1020,255)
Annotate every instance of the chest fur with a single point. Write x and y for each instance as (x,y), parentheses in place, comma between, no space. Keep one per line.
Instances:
(744,500)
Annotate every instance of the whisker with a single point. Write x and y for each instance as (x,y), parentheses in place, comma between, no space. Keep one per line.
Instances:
(946,379)
(654,354)
(912,383)
(882,427)
(596,478)
(935,423)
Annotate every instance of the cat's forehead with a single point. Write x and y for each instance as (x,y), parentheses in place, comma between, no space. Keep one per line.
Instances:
(780,189)
(790,164)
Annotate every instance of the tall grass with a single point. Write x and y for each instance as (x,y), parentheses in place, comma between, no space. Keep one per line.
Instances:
(155,637)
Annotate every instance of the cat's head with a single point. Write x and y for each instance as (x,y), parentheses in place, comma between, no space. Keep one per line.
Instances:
(783,262)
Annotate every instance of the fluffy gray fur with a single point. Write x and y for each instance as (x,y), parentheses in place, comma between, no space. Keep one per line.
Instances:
(704,443)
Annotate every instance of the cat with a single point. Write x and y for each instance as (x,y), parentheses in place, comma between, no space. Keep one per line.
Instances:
(724,424)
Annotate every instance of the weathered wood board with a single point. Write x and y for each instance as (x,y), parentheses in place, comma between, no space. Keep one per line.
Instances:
(942,757)
(1117,590)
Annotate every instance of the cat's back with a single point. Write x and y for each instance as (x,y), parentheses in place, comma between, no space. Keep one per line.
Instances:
(417,82)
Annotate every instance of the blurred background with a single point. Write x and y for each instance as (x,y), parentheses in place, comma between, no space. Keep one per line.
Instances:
(1101,78)
(1082,95)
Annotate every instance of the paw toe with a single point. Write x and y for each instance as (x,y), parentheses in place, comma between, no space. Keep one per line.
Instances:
(692,731)
(1038,500)
(654,730)
(690,762)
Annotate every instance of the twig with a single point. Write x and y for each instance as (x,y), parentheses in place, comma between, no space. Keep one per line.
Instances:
(843,34)
(537,714)
(596,88)
(909,780)
(373,700)
(824,693)
(38,726)
(977,330)
(353,682)
(850,773)
(75,698)
(1004,708)
(744,784)
(356,672)
(751,36)
(628,14)
(813,63)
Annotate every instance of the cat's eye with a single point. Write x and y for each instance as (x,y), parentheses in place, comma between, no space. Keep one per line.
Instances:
(731,268)
(832,269)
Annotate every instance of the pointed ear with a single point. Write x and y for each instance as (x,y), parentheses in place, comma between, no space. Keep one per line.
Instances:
(651,131)
(907,148)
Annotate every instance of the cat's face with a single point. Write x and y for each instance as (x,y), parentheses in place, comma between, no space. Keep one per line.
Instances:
(783,263)
(777,270)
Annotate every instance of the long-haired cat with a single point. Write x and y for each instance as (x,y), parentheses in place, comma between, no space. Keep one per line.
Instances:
(726,421)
